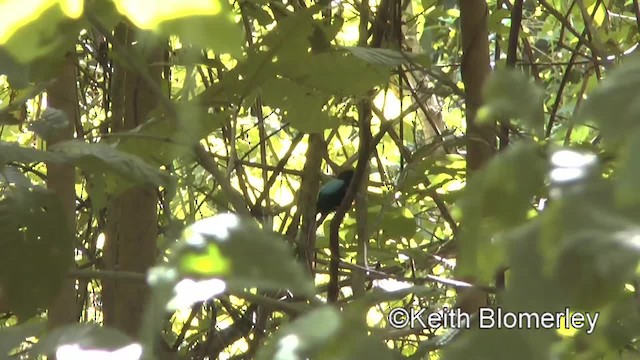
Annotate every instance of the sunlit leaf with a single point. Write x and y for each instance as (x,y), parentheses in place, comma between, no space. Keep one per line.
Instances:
(240,253)
(37,29)
(85,340)
(207,24)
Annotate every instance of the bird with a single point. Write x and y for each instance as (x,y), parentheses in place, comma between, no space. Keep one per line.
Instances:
(331,194)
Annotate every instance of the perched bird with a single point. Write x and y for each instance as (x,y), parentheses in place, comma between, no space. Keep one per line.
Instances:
(332,193)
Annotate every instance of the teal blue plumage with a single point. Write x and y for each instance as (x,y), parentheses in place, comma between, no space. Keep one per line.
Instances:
(332,193)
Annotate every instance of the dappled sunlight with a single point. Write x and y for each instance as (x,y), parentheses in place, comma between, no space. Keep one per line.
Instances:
(72,8)
(15,15)
(288,347)
(216,226)
(389,103)
(391,284)
(187,292)
(75,352)
(570,165)
(148,14)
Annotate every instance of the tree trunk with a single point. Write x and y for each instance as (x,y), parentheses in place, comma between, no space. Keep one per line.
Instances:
(62,95)
(481,137)
(131,228)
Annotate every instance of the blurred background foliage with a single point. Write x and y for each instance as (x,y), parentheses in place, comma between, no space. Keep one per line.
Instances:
(242,88)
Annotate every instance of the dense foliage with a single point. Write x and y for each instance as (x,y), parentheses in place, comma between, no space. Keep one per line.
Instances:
(251,96)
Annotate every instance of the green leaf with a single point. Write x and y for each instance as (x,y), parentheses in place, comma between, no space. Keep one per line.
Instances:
(509,94)
(37,248)
(290,38)
(398,223)
(304,335)
(257,12)
(593,266)
(614,105)
(590,243)
(198,30)
(379,56)
(497,199)
(327,334)
(239,252)
(100,158)
(208,24)
(14,152)
(13,337)
(43,29)
(50,124)
(628,174)
(85,336)
(335,73)
(16,72)
(303,104)
(502,344)
(11,175)
(160,140)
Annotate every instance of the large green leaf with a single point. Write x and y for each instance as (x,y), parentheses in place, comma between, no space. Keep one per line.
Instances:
(14,152)
(244,256)
(287,42)
(37,248)
(387,57)
(511,95)
(326,334)
(37,30)
(497,199)
(398,222)
(335,73)
(590,243)
(614,105)
(91,338)
(99,158)
(290,38)
(50,124)
(628,174)
(207,24)
(304,335)
(198,30)
(160,140)
(303,104)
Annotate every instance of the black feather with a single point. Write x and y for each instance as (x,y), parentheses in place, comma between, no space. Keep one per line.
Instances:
(332,193)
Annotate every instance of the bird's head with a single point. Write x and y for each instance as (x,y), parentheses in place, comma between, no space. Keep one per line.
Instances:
(346,175)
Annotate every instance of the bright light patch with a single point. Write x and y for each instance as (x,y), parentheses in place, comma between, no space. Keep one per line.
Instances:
(74,352)
(570,165)
(572,159)
(161,274)
(390,104)
(217,226)
(566,331)
(100,241)
(391,284)
(187,292)
(72,8)
(287,348)
(566,174)
(148,14)
(21,13)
